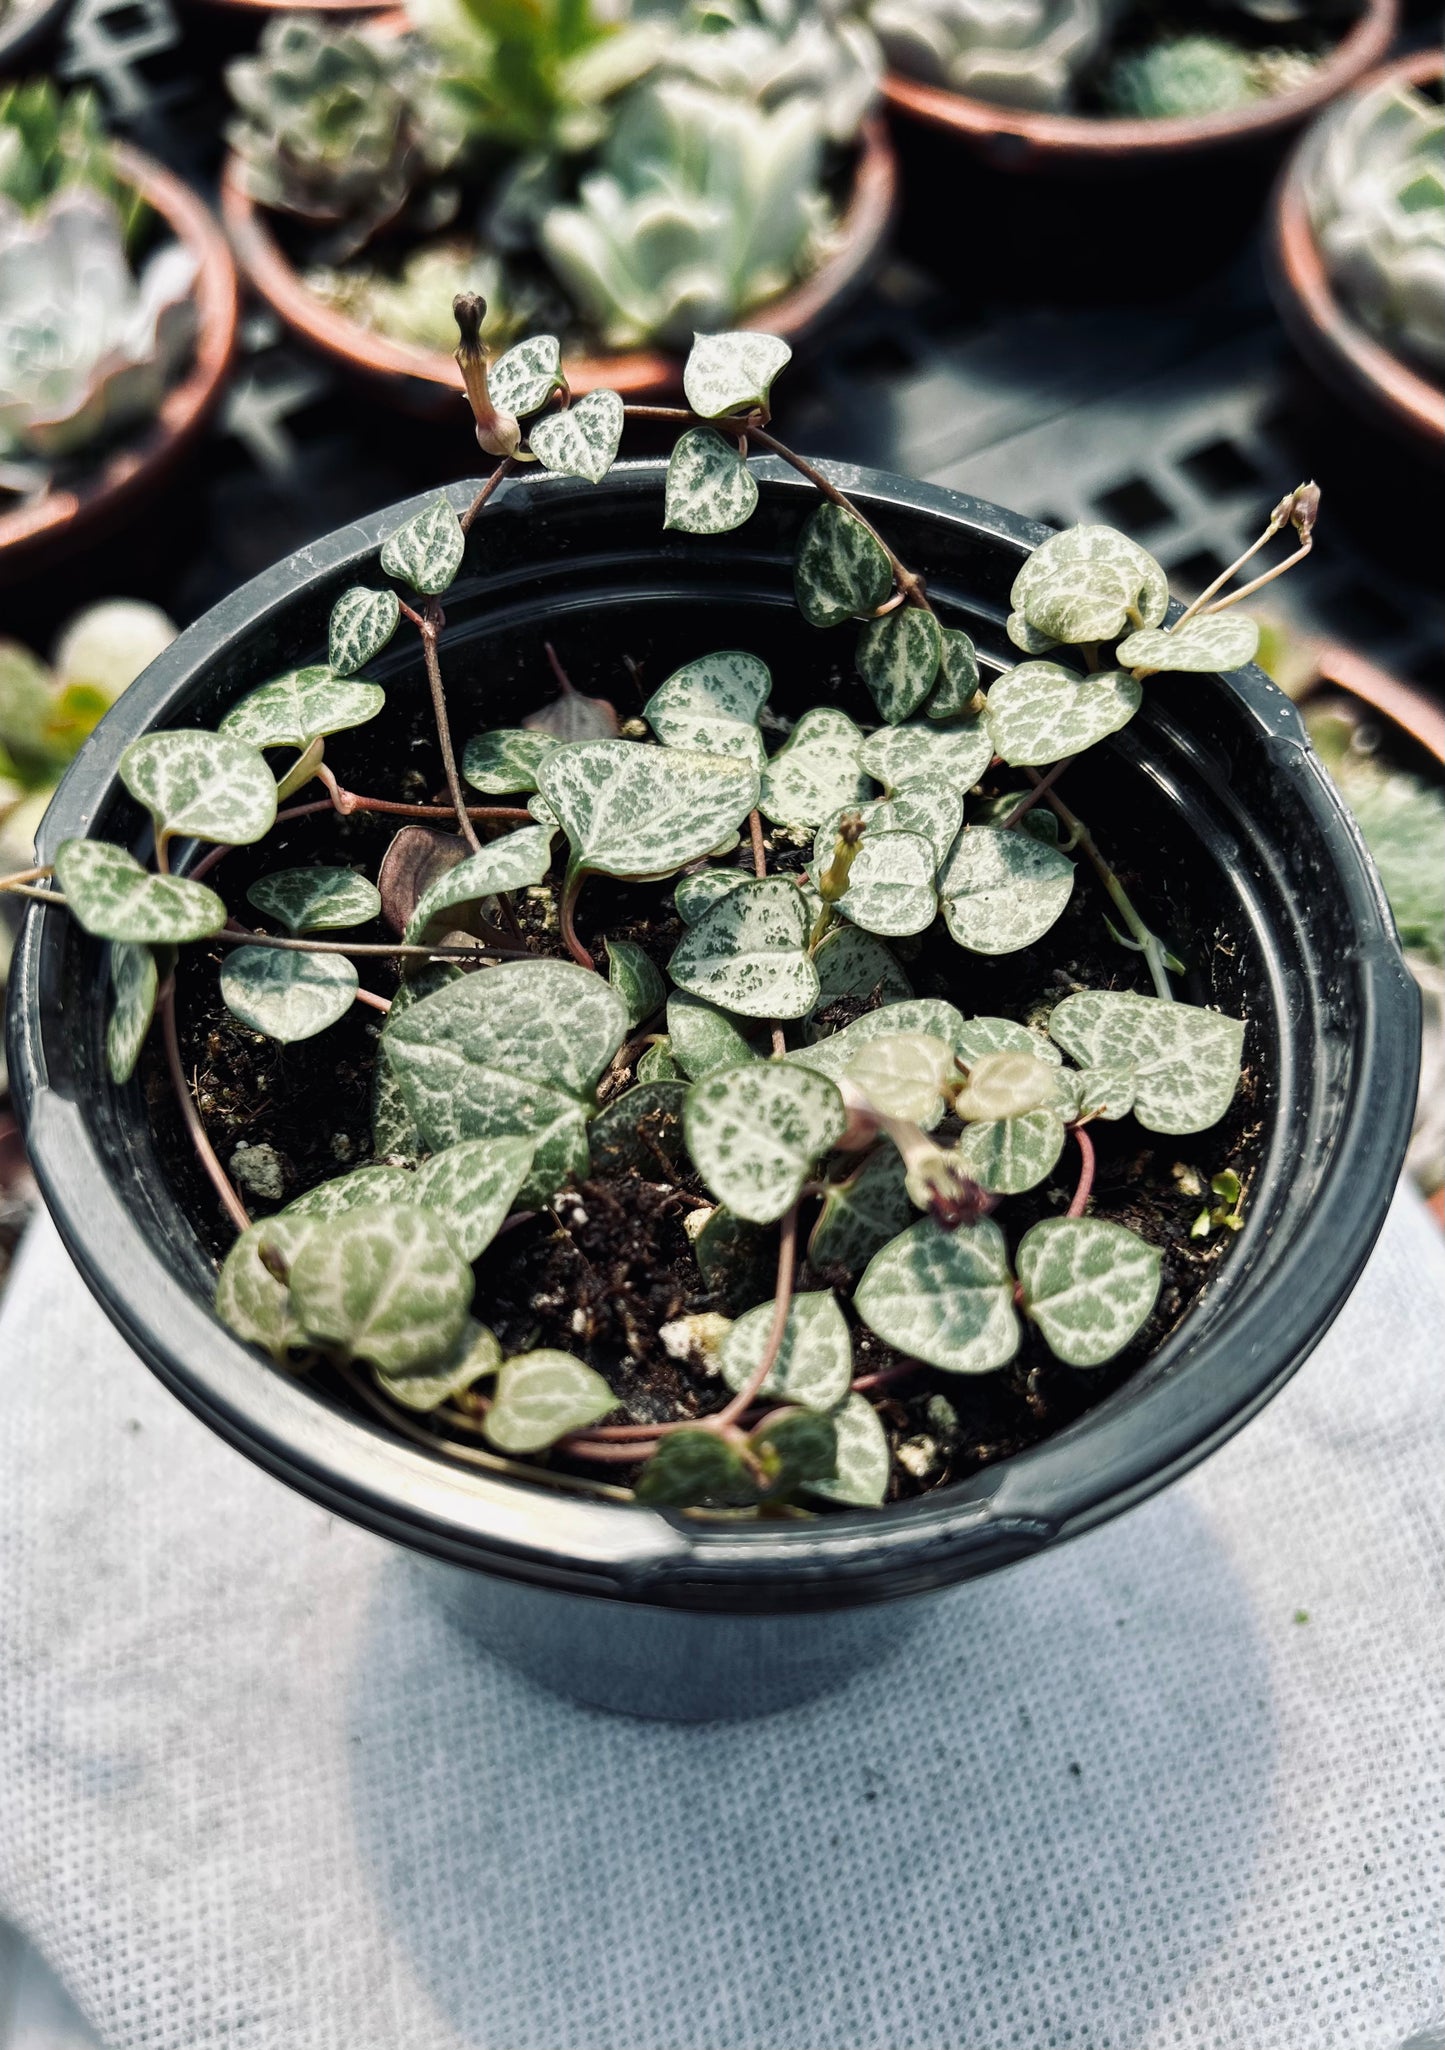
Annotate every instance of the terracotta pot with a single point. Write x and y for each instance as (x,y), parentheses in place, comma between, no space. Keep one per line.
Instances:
(1327,335)
(68,514)
(423,380)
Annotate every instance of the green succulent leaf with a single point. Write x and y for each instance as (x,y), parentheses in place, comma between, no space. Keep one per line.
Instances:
(1102,1092)
(658,1065)
(816,774)
(732,373)
(756,1132)
(636,978)
(898,658)
(205,785)
(710,489)
(815,1360)
(1009,1155)
(703,1038)
(472,1186)
(394,1134)
(541,1396)
(427,552)
(134,980)
(475,1355)
(641,1129)
(1070,558)
(583,441)
(111,896)
(1200,647)
(364,1187)
(841,570)
(890,885)
(976,1038)
(510,863)
(632,810)
(1185,1061)
(852,963)
(302,706)
(929,810)
(862,1460)
(901,757)
(795,1450)
(362,622)
(733,1258)
(1002,891)
(859,1215)
(695,894)
(1088,1284)
(1041,712)
(315,899)
(943,1296)
(506,761)
(288,996)
(902,1075)
(1007,1082)
(748,952)
(1028,638)
(691,1469)
(712,704)
(522,381)
(1081,603)
(382,1283)
(957,683)
(836,1054)
(250,1300)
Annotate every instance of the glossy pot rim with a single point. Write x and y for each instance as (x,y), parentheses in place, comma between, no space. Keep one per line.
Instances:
(1102,1464)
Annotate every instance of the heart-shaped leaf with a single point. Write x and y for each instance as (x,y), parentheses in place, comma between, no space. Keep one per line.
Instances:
(943,1296)
(815,1360)
(901,756)
(712,705)
(862,1460)
(506,760)
(583,441)
(394,1135)
(931,1015)
(112,896)
(632,810)
(902,1075)
(363,1188)
(1007,1084)
(475,1355)
(710,489)
(898,658)
(642,1129)
(1184,1061)
(890,885)
(979,1037)
(636,979)
(522,381)
(541,1396)
(250,1299)
(852,963)
(930,811)
(695,894)
(1200,647)
(756,1132)
(1041,712)
(572,716)
(748,953)
(315,899)
(382,1283)
(733,1257)
(472,1186)
(702,1037)
(511,863)
(859,1215)
(657,1064)
(1009,1155)
(1089,1285)
(1002,891)
(204,785)
(302,706)
(1081,603)
(1028,638)
(1102,1092)
(816,774)
(427,552)
(956,685)
(362,622)
(134,979)
(732,373)
(1079,551)
(692,1469)
(841,570)
(288,996)
(794,1448)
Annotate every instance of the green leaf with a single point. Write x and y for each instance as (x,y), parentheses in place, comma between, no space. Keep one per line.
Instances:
(748,952)
(641,1129)
(583,441)
(852,963)
(288,996)
(362,622)
(201,784)
(1028,638)
(815,1360)
(1103,1092)
(1184,1061)
(957,684)
(393,1128)
(427,552)
(522,381)
(134,979)
(364,1187)
(756,1132)
(890,885)
(1041,712)
(861,1214)
(976,1038)
(510,863)
(382,1283)
(249,1299)
(472,1186)
(841,570)
(1070,559)
(733,1258)
(1089,1285)
(657,1063)
(636,979)
(836,1054)
(694,894)
(315,899)
(541,1396)
(1008,1082)
(929,810)
(1201,647)
(712,705)
(1002,891)
(795,1450)
(902,1075)
(692,1469)
(302,706)
(703,1038)
(945,1297)
(111,896)
(475,1355)
(732,373)
(632,810)
(1081,603)
(506,761)
(1008,1155)
(898,658)
(816,774)
(863,1461)
(901,756)
(710,489)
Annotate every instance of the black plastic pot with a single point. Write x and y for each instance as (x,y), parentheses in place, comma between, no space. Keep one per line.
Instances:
(1213,786)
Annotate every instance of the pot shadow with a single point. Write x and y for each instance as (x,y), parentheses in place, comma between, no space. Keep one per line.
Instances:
(1040,1821)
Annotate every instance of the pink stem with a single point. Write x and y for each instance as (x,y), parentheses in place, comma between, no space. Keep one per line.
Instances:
(1086,1171)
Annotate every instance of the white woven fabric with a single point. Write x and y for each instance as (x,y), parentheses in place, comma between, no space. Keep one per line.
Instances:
(256,1792)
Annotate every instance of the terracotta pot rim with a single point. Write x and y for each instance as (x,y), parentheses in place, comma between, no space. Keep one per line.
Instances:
(1402,704)
(1325,332)
(187,406)
(637,373)
(1053,138)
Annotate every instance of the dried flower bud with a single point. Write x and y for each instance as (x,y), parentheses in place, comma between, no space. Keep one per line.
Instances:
(498,434)
(936,1179)
(833,881)
(1306,509)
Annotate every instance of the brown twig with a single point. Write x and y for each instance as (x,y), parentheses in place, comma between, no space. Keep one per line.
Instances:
(221,1182)
(432,624)
(394,949)
(26,875)
(567,912)
(507,467)
(1040,789)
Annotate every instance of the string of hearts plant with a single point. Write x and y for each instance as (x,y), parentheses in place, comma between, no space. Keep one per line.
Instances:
(507,1076)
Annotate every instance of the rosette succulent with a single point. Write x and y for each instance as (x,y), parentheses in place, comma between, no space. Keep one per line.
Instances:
(1018,53)
(769,51)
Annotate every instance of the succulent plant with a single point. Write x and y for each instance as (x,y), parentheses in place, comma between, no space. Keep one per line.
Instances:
(415,303)
(1181,75)
(1018,53)
(1375,189)
(770,51)
(51,142)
